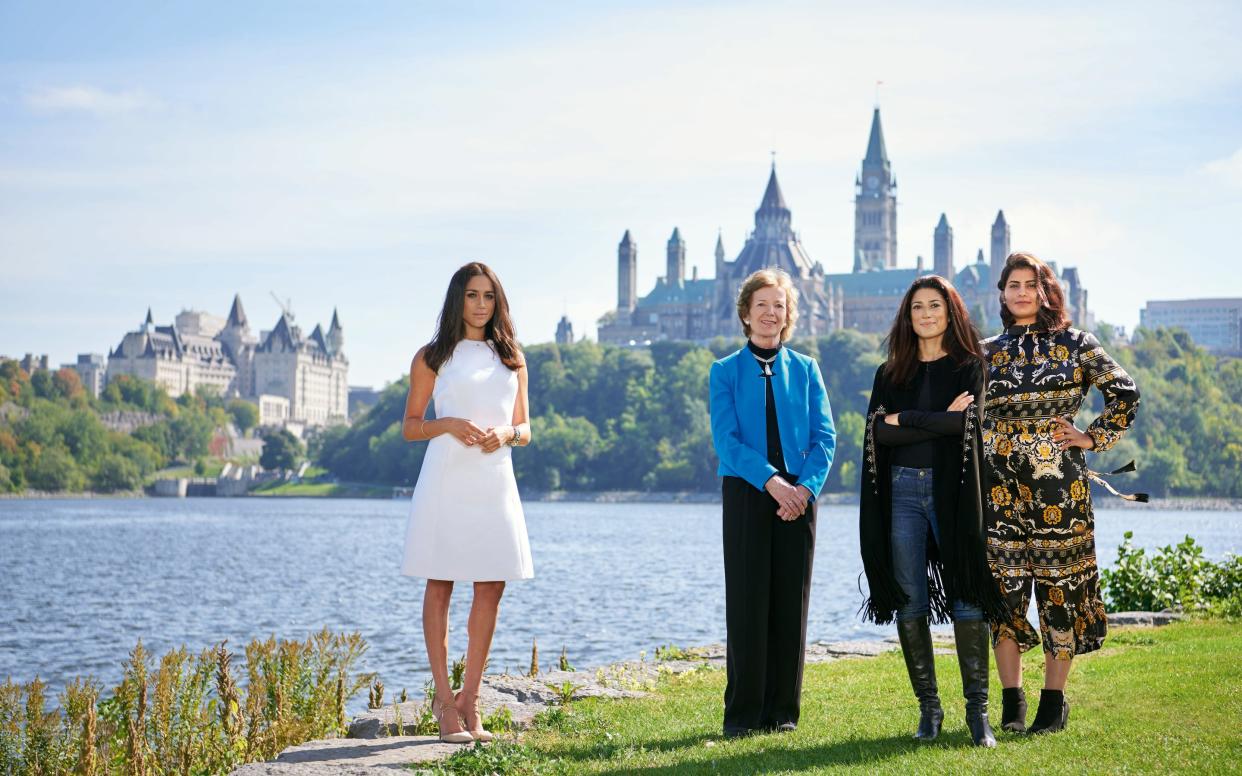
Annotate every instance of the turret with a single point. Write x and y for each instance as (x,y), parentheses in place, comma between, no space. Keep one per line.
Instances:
(627,273)
(336,335)
(1000,245)
(676,270)
(942,259)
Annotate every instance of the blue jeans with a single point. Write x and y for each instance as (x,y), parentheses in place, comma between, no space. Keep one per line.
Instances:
(914,516)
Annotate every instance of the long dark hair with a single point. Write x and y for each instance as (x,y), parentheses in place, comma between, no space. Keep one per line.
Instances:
(961,338)
(451,328)
(1052,315)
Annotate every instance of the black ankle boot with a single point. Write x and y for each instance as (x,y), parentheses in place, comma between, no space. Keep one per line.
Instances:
(1053,713)
(916,646)
(974,641)
(1013,710)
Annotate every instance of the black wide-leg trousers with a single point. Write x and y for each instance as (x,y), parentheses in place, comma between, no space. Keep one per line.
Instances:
(767,564)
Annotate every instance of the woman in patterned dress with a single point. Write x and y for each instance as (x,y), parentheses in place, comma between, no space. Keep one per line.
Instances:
(1041,529)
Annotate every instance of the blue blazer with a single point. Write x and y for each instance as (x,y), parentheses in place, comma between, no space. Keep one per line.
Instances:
(739,419)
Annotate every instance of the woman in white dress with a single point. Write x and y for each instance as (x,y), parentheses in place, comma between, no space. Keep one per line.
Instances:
(466,522)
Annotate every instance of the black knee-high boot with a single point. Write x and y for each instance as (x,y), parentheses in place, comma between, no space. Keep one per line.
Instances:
(916,646)
(1013,710)
(973,646)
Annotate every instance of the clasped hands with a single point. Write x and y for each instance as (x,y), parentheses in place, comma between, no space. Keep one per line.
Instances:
(490,439)
(790,499)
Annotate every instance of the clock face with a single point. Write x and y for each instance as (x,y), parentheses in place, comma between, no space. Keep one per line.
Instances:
(872,181)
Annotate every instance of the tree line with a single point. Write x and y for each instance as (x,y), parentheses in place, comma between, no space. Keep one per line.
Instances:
(614,418)
(606,418)
(52,437)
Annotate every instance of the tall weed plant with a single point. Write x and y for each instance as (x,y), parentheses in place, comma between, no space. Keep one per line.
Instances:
(185,713)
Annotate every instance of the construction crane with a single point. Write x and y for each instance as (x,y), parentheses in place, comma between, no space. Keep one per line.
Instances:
(286,306)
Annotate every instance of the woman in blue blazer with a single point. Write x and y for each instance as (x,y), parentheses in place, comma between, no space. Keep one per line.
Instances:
(773,432)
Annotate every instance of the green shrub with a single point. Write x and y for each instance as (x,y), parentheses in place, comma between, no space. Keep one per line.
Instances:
(281,450)
(1173,577)
(55,470)
(116,472)
(1222,587)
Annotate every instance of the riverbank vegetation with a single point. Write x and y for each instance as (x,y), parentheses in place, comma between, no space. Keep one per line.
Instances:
(1158,700)
(1172,578)
(54,436)
(186,713)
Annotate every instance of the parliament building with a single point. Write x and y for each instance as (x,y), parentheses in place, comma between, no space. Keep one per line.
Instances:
(865,299)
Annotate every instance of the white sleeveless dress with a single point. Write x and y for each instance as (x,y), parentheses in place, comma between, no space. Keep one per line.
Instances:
(466,522)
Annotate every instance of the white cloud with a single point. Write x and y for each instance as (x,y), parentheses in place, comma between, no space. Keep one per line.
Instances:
(87,99)
(1228,169)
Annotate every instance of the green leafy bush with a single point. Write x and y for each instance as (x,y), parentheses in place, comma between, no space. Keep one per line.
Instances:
(1173,577)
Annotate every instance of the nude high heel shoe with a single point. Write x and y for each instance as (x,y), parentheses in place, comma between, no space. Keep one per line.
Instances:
(441,710)
(475,728)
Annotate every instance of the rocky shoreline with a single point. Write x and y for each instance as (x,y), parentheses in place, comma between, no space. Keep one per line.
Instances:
(376,743)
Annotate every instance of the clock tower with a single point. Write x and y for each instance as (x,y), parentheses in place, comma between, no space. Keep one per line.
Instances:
(875,206)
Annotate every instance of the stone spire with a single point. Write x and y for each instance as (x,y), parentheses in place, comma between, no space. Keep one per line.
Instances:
(773,219)
(942,260)
(676,271)
(336,335)
(237,315)
(1000,245)
(877,153)
(627,273)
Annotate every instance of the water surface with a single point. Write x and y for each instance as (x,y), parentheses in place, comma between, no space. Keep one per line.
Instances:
(81,581)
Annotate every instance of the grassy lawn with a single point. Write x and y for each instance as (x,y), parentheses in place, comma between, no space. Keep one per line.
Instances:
(322,489)
(1151,701)
(213,468)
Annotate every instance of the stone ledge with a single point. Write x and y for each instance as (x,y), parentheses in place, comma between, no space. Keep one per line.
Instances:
(352,757)
(1144,619)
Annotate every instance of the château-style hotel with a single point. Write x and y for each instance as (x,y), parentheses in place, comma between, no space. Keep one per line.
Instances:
(292,377)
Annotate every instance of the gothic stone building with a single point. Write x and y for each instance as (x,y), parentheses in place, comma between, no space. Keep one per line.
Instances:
(864,299)
(309,373)
(875,287)
(699,309)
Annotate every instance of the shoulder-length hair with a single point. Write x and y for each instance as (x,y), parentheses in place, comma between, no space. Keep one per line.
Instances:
(961,338)
(451,328)
(768,278)
(1052,315)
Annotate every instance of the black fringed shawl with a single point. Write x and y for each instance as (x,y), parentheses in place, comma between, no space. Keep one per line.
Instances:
(958,568)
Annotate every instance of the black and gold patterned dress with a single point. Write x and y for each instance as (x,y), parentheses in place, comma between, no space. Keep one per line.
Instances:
(1041,528)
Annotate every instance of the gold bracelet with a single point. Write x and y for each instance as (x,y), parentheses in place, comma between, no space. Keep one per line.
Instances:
(421,423)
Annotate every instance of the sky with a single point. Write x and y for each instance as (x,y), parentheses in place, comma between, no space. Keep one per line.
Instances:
(351,156)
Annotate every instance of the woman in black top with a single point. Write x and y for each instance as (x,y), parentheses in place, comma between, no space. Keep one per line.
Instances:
(921,512)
